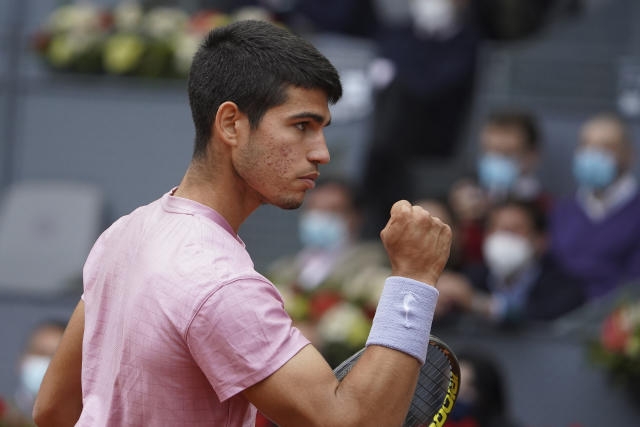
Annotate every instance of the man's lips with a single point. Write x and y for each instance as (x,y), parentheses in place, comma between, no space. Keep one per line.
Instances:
(310,179)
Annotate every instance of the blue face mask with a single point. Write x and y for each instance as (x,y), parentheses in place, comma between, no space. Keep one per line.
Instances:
(32,372)
(594,169)
(497,172)
(322,230)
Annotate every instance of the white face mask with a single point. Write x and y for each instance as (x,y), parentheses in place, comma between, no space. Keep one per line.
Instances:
(434,17)
(32,372)
(505,253)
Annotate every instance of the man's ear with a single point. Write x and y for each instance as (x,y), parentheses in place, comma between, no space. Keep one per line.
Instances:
(229,123)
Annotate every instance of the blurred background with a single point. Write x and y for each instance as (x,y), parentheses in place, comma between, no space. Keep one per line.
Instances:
(93,126)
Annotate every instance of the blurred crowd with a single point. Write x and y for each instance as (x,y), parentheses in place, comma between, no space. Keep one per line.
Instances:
(519,254)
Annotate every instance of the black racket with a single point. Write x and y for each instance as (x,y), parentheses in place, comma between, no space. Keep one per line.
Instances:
(437,387)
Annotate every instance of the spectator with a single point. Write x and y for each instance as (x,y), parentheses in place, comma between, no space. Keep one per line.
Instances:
(335,276)
(482,397)
(596,233)
(509,150)
(424,79)
(518,281)
(509,154)
(33,363)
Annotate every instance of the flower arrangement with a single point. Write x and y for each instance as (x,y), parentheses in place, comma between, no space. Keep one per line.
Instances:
(129,39)
(618,346)
(337,314)
(337,325)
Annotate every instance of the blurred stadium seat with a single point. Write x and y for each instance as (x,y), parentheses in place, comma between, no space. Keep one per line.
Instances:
(46,231)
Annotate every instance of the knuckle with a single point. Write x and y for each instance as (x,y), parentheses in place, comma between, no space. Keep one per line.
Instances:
(447,231)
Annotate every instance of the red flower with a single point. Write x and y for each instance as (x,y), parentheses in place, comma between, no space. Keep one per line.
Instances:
(614,336)
(321,302)
(106,20)
(40,41)
(205,20)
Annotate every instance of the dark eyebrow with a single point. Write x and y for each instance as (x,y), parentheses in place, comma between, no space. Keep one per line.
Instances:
(313,116)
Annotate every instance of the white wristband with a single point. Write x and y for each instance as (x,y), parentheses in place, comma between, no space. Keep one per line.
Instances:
(403,317)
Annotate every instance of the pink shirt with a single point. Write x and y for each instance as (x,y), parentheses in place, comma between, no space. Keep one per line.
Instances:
(177,322)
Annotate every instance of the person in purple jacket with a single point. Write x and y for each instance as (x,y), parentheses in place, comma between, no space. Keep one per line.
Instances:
(596,233)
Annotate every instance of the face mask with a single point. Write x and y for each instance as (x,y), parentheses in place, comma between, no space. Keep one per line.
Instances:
(497,172)
(433,17)
(322,230)
(505,253)
(594,169)
(32,372)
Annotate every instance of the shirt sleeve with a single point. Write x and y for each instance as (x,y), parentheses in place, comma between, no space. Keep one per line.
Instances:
(241,334)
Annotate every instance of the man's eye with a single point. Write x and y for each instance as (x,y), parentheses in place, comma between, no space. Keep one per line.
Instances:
(302,125)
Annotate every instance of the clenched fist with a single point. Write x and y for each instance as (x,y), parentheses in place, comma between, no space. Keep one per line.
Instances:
(417,243)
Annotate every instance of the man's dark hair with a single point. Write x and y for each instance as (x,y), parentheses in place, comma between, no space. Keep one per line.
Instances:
(524,121)
(252,63)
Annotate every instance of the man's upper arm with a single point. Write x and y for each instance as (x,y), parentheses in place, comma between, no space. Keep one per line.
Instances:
(59,401)
(305,391)
(296,392)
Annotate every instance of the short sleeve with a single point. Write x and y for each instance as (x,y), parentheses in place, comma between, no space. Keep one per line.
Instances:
(241,334)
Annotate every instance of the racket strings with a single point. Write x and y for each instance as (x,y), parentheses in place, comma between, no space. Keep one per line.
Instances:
(343,369)
(431,389)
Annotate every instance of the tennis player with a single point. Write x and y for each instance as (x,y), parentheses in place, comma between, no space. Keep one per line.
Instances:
(176,328)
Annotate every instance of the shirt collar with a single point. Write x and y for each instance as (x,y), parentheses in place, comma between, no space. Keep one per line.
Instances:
(616,195)
(181,205)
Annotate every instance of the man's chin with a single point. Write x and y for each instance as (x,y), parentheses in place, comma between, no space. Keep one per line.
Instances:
(289,203)
(284,202)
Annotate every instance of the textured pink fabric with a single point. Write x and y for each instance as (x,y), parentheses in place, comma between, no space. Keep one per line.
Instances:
(177,322)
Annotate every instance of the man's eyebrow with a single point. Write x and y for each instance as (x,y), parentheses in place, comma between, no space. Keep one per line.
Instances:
(318,118)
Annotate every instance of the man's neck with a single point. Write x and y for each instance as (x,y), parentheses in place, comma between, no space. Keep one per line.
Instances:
(217,190)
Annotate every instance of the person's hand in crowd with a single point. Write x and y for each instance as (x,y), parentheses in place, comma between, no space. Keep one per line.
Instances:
(456,292)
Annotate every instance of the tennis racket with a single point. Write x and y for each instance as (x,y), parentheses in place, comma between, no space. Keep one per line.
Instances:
(437,387)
